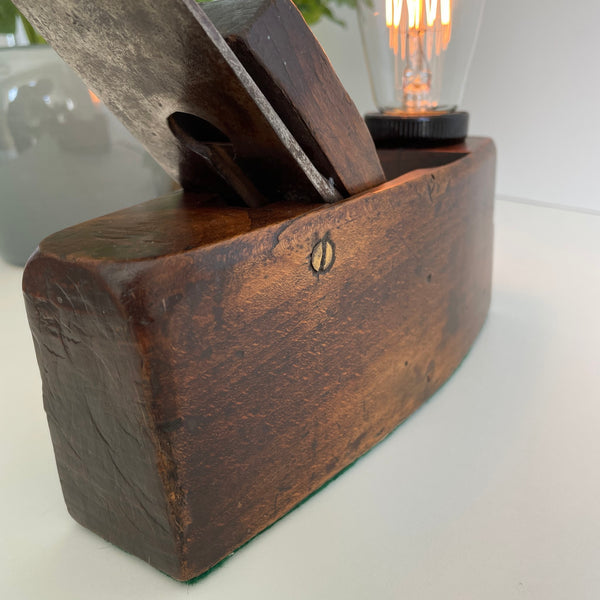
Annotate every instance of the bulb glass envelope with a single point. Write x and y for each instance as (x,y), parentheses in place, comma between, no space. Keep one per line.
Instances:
(419,51)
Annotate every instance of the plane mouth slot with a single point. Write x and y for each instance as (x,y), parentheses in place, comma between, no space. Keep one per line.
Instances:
(190,130)
(217,153)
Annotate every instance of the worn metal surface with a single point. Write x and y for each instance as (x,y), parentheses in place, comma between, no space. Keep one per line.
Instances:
(151,58)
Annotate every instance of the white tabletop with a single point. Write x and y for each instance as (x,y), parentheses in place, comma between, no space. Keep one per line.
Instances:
(490,491)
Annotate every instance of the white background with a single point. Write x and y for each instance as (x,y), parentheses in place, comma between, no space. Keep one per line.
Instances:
(534,87)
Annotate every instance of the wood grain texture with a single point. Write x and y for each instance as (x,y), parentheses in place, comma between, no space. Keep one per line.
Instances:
(95,402)
(149,59)
(202,378)
(284,58)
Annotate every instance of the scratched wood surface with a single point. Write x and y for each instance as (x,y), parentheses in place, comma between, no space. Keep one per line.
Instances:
(284,58)
(205,368)
(150,59)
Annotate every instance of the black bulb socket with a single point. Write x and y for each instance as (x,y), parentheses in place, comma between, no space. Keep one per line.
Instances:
(418,131)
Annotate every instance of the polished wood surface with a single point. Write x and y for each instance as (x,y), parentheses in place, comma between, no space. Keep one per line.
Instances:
(207,368)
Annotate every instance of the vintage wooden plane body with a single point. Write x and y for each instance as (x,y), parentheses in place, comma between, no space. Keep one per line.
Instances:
(207,366)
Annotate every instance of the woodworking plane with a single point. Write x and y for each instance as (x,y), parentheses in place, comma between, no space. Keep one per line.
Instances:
(213,357)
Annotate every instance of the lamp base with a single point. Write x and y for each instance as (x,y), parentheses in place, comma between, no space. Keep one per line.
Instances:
(426,130)
(206,367)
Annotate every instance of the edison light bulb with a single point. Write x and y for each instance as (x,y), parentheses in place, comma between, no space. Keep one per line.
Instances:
(418,53)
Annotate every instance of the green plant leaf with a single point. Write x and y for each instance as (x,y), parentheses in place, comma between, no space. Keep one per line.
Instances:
(8,17)
(33,36)
(9,14)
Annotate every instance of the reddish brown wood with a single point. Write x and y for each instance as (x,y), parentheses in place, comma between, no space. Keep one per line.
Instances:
(284,58)
(201,378)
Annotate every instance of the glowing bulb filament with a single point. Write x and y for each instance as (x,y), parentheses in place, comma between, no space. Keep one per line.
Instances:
(417,29)
(445,10)
(430,18)
(414,13)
